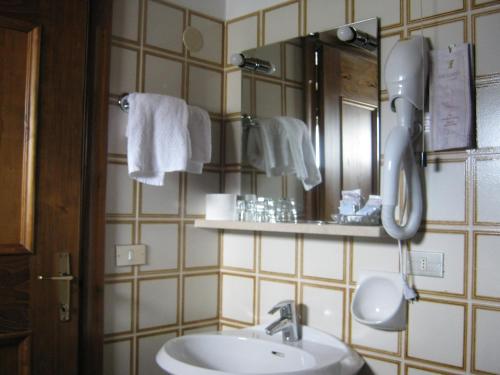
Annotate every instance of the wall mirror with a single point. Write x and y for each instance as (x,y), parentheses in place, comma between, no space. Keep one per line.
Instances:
(329,80)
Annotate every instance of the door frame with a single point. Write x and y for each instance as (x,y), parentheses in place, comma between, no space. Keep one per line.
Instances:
(94,189)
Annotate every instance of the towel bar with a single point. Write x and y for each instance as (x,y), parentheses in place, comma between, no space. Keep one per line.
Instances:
(122,102)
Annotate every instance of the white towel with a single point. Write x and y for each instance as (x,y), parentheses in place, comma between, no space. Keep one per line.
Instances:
(302,151)
(199,127)
(282,146)
(158,137)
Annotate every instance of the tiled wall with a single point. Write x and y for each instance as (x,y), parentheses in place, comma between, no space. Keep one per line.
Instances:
(455,328)
(197,279)
(177,291)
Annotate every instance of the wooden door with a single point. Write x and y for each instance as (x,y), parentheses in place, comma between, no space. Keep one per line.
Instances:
(349,119)
(47,136)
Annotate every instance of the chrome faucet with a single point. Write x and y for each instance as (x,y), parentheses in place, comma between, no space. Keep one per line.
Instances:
(288,322)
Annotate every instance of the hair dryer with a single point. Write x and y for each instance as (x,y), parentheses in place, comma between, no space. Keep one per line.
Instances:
(406,71)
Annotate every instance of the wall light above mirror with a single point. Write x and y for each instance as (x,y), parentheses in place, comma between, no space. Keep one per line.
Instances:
(323,86)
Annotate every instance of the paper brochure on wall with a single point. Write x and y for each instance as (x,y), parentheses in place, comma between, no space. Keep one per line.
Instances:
(450,98)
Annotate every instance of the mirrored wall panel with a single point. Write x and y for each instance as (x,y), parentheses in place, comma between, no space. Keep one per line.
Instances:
(310,118)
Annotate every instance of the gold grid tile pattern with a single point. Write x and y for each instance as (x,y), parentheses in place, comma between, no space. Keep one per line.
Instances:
(465,229)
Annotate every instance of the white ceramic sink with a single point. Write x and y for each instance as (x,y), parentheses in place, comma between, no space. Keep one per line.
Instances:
(251,351)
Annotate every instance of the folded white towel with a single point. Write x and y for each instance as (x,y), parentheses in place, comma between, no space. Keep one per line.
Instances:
(199,127)
(158,137)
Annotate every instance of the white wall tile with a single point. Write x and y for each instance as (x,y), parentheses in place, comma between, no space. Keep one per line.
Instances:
(389,11)
(436,332)
(233,93)
(324,309)
(232,182)
(271,187)
(162,76)
(487,115)
(378,366)
(126,19)
(164,26)
(117,307)
(198,186)
(325,14)
(158,300)
(441,36)
(487,180)
(216,142)
(374,255)
(455,272)
(487,323)
(444,201)
(323,257)
(294,62)
(162,246)
(367,337)
(294,99)
(281,23)
(246,95)
(278,253)
(201,247)
(238,250)
(267,99)
(205,89)
(117,128)
(123,70)
(212,39)
(241,35)
(487,29)
(116,234)
(238,298)
(116,358)
(200,297)
(119,190)
(233,132)
(271,293)
(482,2)
(161,200)
(148,346)
(420,371)
(429,8)
(487,259)
(203,329)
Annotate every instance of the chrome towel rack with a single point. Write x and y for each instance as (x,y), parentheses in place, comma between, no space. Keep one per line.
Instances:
(122,102)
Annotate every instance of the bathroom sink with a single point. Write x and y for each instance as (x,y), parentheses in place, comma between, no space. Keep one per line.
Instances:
(251,351)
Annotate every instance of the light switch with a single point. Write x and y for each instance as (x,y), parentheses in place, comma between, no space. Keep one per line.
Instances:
(130,255)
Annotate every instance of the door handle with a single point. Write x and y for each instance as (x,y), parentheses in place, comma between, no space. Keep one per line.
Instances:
(63,279)
(57,278)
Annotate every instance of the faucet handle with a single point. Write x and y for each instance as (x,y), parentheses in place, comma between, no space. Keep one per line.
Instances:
(286,303)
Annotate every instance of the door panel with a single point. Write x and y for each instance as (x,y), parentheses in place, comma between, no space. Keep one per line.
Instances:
(19,65)
(41,193)
(359,148)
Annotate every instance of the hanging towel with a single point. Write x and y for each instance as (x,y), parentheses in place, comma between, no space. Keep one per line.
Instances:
(282,146)
(199,127)
(158,137)
(302,151)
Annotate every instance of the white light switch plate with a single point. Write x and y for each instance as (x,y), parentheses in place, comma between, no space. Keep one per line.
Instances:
(424,263)
(130,255)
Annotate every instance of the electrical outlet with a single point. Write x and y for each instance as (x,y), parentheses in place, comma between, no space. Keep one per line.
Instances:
(130,255)
(424,263)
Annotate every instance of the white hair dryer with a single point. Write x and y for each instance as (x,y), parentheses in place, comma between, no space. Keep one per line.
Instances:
(406,71)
